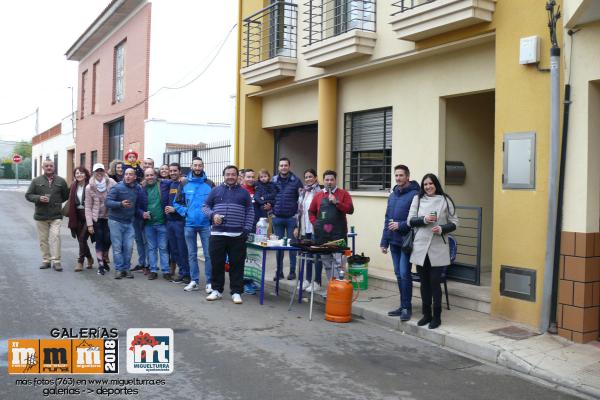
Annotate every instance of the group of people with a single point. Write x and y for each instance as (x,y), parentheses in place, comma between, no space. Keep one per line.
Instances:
(164,212)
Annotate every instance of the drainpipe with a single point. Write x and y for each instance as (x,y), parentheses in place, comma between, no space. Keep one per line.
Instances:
(552,167)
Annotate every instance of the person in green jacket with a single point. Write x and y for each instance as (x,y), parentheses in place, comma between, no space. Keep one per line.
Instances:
(48,192)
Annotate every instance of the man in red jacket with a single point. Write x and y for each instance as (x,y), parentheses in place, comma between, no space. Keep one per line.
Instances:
(327,213)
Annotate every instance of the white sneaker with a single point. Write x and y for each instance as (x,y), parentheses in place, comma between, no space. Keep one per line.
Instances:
(208,288)
(317,287)
(193,285)
(237,299)
(214,295)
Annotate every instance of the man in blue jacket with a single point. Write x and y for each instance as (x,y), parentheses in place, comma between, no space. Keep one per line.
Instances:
(176,226)
(154,199)
(193,196)
(123,203)
(287,186)
(394,230)
(230,209)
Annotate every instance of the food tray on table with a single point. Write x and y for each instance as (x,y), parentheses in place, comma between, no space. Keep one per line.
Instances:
(310,246)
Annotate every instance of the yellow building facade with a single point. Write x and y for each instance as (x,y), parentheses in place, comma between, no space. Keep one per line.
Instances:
(359,86)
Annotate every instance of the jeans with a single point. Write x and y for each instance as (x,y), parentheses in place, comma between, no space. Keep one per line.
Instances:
(431,279)
(140,242)
(156,238)
(402,269)
(318,266)
(235,248)
(284,227)
(192,247)
(178,246)
(122,236)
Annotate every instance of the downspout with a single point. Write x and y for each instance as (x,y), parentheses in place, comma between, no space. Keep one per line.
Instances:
(552,168)
(236,128)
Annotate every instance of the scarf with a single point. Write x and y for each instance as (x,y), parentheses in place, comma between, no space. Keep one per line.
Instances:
(306,189)
(101,185)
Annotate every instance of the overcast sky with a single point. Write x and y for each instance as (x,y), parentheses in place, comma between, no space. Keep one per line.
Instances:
(34,72)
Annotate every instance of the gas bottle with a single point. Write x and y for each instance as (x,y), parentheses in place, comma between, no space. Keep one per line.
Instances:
(338,306)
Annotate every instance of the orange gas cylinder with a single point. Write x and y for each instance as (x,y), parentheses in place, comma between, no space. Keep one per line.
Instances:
(338,306)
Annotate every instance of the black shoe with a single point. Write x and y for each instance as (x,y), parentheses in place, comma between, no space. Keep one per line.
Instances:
(118,275)
(100,270)
(405,315)
(106,267)
(291,276)
(281,276)
(178,279)
(167,277)
(138,268)
(128,274)
(186,280)
(45,266)
(395,313)
(437,318)
(426,316)
(152,276)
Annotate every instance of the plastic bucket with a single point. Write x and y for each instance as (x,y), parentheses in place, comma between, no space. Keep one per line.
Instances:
(359,275)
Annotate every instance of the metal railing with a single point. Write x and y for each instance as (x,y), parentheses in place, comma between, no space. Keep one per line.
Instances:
(329,18)
(467,266)
(270,32)
(216,156)
(406,5)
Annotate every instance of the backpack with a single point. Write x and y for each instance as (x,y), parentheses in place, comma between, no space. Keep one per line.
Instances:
(453,248)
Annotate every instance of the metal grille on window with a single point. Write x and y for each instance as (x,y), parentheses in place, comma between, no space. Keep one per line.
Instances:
(119,72)
(368,150)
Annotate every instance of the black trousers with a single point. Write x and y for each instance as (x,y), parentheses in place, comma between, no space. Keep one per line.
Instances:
(82,236)
(431,287)
(234,247)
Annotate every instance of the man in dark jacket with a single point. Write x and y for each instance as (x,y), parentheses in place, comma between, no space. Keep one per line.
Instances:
(123,203)
(229,208)
(176,226)
(287,187)
(48,192)
(394,230)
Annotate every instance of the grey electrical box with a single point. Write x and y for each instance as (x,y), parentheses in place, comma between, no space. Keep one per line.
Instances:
(518,171)
(456,173)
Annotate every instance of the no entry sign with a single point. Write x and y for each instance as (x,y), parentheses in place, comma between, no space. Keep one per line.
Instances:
(17,158)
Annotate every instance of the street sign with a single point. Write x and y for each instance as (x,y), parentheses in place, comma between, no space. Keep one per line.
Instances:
(17,158)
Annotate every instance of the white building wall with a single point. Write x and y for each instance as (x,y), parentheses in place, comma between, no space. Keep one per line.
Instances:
(160,132)
(56,145)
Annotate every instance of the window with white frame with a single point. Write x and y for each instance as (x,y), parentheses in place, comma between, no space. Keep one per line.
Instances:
(368,149)
(119,73)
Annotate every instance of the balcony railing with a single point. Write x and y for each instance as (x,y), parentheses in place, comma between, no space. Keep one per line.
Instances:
(329,18)
(269,33)
(406,5)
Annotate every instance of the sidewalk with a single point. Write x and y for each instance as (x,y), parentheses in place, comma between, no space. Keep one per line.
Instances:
(548,357)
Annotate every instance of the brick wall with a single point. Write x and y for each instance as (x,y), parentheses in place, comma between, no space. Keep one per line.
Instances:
(579,287)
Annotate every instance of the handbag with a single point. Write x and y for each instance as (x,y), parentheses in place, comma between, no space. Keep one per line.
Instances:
(65,209)
(407,242)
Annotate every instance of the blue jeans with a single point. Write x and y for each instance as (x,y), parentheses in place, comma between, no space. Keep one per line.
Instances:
(156,238)
(140,242)
(192,246)
(280,227)
(121,236)
(403,275)
(178,246)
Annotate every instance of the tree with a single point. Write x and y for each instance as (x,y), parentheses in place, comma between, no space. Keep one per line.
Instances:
(23,148)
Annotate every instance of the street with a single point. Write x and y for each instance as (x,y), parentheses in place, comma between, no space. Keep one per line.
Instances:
(223,350)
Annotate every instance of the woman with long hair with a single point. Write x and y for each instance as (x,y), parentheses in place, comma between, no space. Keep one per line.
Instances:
(433,215)
(77,224)
(116,169)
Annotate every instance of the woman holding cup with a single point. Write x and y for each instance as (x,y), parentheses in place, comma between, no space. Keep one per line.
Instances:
(433,215)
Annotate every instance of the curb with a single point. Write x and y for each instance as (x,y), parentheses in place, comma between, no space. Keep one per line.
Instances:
(482,351)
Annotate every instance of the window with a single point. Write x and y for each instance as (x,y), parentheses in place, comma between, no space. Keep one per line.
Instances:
(353,14)
(94,158)
(119,73)
(115,139)
(94,82)
(82,159)
(368,149)
(83,82)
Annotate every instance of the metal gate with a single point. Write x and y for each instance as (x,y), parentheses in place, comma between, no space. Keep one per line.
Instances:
(216,156)
(467,266)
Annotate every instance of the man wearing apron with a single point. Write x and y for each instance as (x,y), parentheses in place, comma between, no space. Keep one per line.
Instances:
(327,213)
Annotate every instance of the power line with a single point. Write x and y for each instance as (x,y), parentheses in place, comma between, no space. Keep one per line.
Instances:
(175,87)
(18,120)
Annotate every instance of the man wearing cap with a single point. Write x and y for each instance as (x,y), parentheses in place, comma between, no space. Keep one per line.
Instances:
(48,192)
(96,214)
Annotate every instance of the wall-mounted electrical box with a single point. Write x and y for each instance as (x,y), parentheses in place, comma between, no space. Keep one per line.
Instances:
(529,50)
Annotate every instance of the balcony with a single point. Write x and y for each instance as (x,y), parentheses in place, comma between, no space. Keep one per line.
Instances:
(269,44)
(339,30)
(416,20)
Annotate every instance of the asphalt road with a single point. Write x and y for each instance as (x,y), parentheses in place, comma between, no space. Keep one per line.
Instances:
(227,351)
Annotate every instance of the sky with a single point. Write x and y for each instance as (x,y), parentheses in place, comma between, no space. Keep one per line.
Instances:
(34,72)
